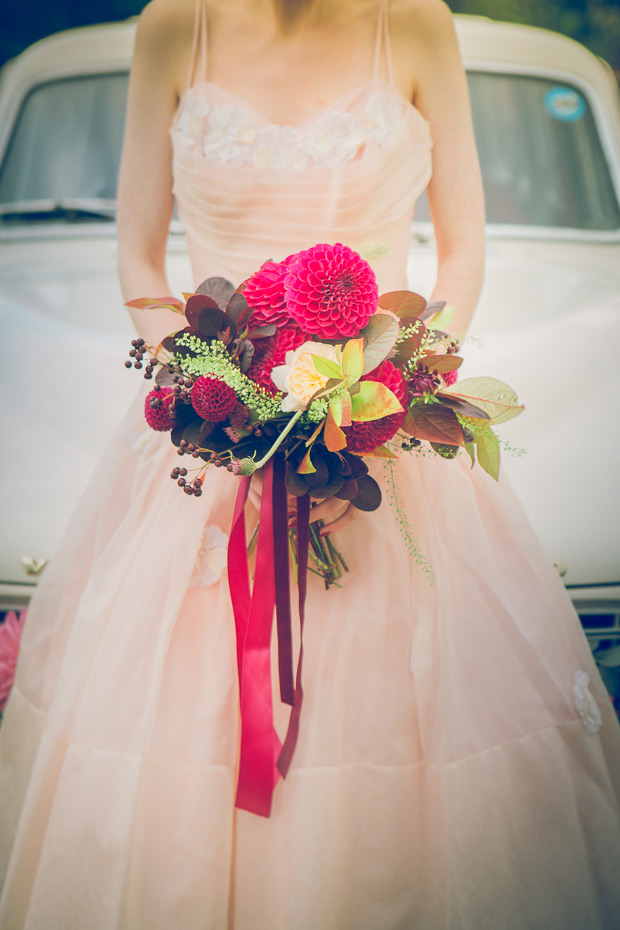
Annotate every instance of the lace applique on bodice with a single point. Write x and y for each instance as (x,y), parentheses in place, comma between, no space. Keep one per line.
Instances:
(230,133)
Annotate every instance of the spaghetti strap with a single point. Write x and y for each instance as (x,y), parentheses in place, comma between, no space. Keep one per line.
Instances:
(383,33)
(198,59)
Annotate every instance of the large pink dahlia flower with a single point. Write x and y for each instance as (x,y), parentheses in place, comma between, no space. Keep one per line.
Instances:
(264,292)
(330,291)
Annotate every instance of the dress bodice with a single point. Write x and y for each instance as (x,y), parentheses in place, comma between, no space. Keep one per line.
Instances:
(248,190)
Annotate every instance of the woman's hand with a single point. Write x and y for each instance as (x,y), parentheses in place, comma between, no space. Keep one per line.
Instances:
(336,514)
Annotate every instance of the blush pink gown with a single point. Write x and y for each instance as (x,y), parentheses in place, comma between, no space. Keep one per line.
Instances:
(454,769)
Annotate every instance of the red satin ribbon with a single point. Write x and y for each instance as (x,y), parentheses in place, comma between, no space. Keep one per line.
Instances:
(262,757)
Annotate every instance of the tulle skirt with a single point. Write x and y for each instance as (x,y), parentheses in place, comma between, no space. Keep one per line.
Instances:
(458,762)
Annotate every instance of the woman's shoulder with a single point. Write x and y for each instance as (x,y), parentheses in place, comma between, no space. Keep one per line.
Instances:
(164,34)
(428,19)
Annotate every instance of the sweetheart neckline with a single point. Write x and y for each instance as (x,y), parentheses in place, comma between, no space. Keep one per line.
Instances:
(298,127)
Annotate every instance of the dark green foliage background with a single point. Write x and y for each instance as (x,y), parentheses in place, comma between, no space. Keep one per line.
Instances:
(596,23)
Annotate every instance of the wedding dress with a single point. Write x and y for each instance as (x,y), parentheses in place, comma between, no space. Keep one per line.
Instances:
(458,760)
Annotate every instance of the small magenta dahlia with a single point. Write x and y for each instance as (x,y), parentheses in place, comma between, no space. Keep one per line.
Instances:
(330,291)
(272,352)
(156,406)
(423,381)
(366,436)
(450,377)
(212,398)
(264,292)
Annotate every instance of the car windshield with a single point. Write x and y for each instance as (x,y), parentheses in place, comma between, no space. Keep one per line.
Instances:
(65,151)
(542,160)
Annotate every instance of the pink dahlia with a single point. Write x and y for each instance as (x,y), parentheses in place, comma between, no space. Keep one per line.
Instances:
(212,398)
(264,292)
(10,636)
(366,436)
(272,352)
(156,407)
(450,377)
(330,291)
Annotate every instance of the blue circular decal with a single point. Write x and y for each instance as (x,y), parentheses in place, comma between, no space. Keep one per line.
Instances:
(565,104)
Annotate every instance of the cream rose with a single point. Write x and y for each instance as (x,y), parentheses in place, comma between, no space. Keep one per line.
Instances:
(298,378)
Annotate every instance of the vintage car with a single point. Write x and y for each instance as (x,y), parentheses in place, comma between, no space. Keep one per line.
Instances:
(547,120)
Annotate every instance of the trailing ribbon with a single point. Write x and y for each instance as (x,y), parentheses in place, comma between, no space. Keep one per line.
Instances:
(262,757)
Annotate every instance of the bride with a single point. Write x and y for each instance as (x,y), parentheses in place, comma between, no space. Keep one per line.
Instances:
(458,759)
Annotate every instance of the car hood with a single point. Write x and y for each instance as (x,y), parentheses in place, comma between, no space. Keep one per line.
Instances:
(548,323)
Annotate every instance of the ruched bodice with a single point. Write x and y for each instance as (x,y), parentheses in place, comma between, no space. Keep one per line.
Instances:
(248,190)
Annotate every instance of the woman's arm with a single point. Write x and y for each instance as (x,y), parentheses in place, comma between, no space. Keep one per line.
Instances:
(455,192)
(145,199)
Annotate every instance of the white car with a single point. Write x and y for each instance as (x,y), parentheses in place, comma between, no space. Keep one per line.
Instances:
(547,119)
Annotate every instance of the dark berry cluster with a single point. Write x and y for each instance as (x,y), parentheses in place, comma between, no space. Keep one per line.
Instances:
(194,487)
(188,448)
(136,354)
(410,444)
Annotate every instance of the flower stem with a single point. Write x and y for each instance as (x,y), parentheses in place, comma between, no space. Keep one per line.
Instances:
(289,426)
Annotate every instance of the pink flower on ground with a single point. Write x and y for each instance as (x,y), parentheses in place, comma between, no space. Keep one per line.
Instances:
(331,291)
(366,436)
(264,292)
(10,635)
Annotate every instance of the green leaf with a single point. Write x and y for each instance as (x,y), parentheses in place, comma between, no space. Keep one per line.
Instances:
(470,448)
(327,368)
(495,397)
(380,335)
(373,401)
(487,445)
(353,360)
(442,319)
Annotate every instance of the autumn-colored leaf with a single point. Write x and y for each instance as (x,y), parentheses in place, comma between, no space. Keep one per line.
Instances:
(495,397)
(373,401)
(345,403)
(487,446)
(462,406)
(405,304)
(151,303)
(305,466)
(442,363)
(380,335)
(335,439)
(434,423)
(327,368)
(315,434)
(353,360)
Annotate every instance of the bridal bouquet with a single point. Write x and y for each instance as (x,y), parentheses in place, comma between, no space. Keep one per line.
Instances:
(304,371)
(306,360)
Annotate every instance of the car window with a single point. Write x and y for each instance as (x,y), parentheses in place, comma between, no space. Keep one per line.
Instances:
(67,140)
(542,159)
